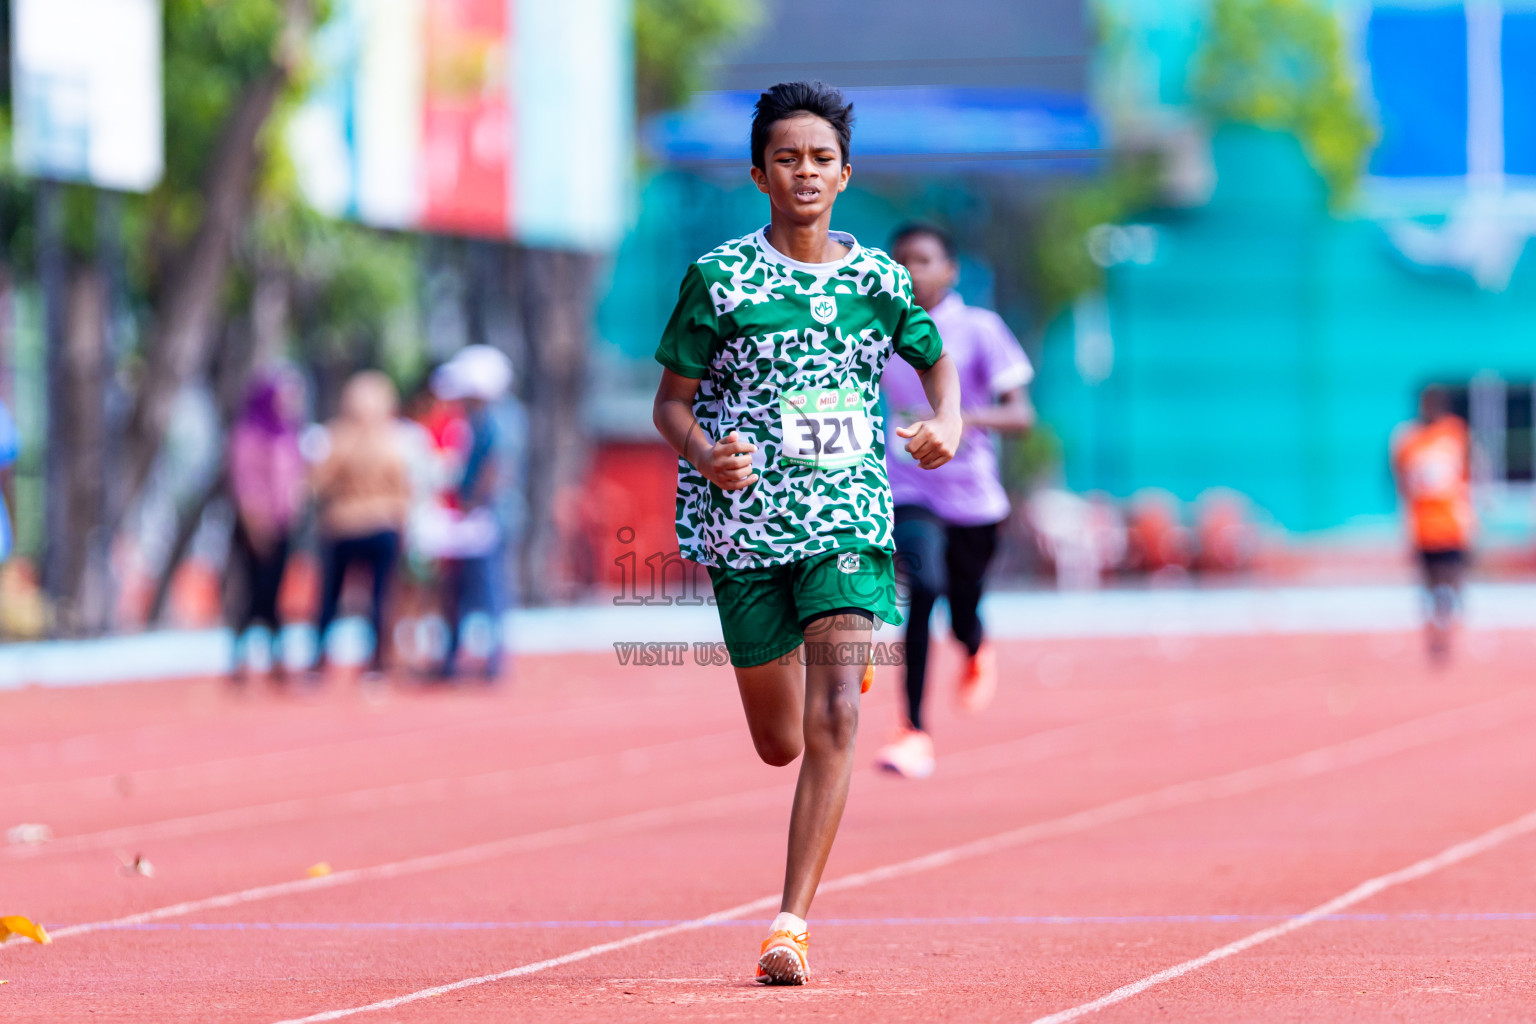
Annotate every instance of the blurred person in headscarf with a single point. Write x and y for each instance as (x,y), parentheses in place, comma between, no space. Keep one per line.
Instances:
(363,486)
(267,488)
(479,378)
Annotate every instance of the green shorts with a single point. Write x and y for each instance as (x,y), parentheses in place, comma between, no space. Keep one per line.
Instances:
(763,612)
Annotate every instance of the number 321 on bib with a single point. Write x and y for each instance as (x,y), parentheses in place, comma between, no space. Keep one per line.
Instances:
(825,427)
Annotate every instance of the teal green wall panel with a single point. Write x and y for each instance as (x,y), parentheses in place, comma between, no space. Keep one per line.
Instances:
(1272,347)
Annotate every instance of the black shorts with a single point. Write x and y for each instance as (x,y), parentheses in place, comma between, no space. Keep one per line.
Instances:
(1443,559)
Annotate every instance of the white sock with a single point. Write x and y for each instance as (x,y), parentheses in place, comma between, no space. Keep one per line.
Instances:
(787,922)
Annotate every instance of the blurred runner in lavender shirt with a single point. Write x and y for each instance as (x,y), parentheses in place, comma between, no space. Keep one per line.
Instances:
(947,518)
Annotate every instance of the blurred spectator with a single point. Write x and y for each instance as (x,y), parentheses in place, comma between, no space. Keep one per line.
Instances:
(23,612)
(1225,534)
(1082,539)
(435,439)
(267,487)
(479,377)
(10,449)
(1160,543)
(363,487)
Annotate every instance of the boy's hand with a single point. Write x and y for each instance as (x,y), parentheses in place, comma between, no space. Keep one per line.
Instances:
(728,462)
(934,441)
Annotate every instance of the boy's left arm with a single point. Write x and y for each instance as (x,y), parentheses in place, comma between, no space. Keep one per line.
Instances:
(1008,372)
(1013,414)
(935,440)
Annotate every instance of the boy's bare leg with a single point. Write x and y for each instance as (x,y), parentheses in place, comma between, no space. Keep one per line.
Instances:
(831,725)
(809,702)
(773,696)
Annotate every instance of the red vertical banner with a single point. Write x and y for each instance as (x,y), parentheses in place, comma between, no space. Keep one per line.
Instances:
(467,120)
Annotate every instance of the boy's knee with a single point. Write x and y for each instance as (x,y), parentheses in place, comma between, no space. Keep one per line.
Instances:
(835,726)
(777,749)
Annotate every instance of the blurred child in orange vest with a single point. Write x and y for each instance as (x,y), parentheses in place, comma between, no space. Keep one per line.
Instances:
(1432,464)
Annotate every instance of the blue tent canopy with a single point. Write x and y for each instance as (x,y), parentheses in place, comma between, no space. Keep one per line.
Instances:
(1001,128)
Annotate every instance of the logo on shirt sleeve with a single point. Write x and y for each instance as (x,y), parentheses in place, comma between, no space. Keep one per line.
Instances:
(824,309)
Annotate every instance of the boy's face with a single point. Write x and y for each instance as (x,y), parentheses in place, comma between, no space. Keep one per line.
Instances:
(933,272)
(805,169)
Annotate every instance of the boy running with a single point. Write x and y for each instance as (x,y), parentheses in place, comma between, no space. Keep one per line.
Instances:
(946,522)
(1432,464)
(770,396)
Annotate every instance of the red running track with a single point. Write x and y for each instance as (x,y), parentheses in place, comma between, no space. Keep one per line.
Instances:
(1129,834)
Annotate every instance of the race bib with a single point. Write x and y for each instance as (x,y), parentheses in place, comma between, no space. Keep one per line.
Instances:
(825,427)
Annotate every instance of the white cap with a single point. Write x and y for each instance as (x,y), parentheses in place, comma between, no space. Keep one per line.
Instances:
(475,371)
(446,383)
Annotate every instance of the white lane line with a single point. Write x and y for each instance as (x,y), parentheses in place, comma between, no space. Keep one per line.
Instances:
(1026,921)
(740,910)
(1364,891)
(563,836)
(239,768)
(1324,760)
(1065,739)
(152,739)
(1405,736)
(626,763)
(1048,743)
(1396,739)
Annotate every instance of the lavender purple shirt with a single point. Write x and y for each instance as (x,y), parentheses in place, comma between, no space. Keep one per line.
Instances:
(967,490)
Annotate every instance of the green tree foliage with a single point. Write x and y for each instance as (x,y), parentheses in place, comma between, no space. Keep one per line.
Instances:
(1280,64)
(1063,269)
(353,294)
(349,283)
(215,53)
(226,221)
(672,38)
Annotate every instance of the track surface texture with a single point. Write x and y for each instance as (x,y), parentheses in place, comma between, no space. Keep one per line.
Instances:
(1267,829)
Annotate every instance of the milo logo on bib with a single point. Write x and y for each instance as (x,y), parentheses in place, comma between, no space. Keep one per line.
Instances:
(825,427)
(824,309)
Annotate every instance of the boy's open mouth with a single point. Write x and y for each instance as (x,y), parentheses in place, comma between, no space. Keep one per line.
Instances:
(806,195)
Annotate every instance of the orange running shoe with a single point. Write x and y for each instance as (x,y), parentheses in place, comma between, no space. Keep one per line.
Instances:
(869,678)
(978,683)
(910,755)
(785,959)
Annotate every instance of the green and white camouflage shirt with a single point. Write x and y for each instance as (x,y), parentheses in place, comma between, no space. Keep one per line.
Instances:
(756,327)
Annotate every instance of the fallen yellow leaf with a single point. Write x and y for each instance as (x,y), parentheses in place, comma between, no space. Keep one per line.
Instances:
(318,870)
(26,929)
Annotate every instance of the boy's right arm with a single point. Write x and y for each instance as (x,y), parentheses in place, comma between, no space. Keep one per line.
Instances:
(726,463)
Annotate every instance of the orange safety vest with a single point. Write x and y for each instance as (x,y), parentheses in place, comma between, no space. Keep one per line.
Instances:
(1431,461)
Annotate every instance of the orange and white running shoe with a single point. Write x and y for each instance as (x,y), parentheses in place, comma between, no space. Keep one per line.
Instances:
(785,959)
(909,755)
(978,682)
(869,678)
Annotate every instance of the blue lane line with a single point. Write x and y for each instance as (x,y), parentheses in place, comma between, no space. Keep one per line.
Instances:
(299,926)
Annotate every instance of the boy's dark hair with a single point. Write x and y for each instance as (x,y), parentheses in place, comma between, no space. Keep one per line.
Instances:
(787,99)
(917,228)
